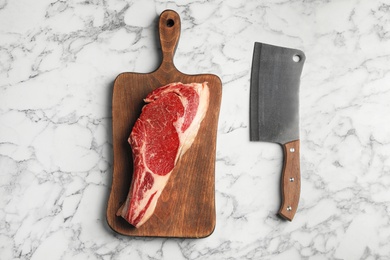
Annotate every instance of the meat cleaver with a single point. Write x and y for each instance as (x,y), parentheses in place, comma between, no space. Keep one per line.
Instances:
(274,112)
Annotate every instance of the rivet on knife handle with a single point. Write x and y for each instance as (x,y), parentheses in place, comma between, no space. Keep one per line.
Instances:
(291,181)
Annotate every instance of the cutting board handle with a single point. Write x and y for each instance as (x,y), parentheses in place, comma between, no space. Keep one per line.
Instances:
(169,29)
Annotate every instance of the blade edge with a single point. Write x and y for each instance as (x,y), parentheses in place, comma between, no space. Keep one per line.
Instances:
(254,94)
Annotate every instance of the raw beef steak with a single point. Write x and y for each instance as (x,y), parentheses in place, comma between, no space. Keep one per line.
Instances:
(165,130)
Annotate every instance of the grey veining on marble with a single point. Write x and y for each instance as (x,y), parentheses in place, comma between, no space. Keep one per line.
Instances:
(58,61)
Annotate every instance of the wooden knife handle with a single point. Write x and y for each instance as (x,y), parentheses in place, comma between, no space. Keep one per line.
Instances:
(291,180)
(169,29)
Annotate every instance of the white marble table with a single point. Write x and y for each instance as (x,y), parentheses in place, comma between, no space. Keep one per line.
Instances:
(58,60)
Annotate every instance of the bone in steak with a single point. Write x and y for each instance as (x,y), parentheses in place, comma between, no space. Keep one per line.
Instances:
(166,128)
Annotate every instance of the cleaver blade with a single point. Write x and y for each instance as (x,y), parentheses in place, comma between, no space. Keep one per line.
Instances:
(274,112)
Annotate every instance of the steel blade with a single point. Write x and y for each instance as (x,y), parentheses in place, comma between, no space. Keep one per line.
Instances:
(274,97)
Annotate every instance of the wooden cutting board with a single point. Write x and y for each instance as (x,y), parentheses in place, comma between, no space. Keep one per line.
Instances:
(186,208)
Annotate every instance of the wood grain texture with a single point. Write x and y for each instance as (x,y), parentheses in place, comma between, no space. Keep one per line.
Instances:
(186,208)
(291,180)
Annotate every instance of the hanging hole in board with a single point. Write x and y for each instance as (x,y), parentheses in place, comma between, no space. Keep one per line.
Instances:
(296,58)
(170,23)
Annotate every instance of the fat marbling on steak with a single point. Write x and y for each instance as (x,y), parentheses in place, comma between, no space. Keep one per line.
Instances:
(166,128)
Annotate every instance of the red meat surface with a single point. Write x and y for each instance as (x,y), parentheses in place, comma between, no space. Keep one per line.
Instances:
(166,128)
